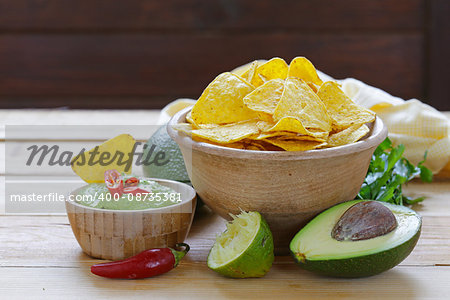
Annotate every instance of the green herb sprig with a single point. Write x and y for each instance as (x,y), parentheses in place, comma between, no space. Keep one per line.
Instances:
(388,170)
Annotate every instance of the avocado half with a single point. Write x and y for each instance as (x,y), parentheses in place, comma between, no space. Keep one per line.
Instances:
(314,248)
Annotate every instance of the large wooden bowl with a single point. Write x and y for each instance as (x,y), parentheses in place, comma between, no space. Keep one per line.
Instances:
(287,188)
(118,234)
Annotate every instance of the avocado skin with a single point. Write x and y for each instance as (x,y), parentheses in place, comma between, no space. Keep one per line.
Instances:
(361,266)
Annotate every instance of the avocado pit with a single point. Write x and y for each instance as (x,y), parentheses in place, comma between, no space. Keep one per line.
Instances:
(364,220)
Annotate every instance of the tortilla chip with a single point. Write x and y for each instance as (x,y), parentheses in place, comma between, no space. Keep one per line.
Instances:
(341,109)
(294,125)
(263,145)
(301,68)
(190,120)
(347,136)
(265,117)
(221,102)
(276,68)
(123,143)
(239,71)
(301,137)
(313,86)
(228,133)
(265,98)
(265,135)
(295,145)
(300,102)
(251,71)
(197,126)
(251,145)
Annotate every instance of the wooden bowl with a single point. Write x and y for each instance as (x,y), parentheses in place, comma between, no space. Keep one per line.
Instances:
(287,188)
(118,234)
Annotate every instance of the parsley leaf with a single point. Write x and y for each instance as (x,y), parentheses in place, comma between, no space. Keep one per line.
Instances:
(388,171)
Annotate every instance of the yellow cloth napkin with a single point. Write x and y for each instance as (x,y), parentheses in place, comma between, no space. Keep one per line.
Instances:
(412,123)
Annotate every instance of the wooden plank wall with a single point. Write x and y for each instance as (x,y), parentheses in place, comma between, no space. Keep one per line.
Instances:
(145,53)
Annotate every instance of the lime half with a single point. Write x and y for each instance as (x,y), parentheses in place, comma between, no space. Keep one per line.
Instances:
(244,249)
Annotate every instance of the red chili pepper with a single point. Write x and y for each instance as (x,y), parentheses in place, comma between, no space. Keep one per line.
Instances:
(113,181)
(131,187)
(132,181)
(148,263)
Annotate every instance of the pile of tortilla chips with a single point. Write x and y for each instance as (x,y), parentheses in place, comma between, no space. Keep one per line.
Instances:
(275,106)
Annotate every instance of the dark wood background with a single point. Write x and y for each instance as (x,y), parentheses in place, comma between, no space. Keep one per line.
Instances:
(146,53)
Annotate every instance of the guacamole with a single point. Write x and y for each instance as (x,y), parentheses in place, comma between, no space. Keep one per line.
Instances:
(97,195)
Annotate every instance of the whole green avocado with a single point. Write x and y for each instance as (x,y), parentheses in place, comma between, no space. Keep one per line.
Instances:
(174,168)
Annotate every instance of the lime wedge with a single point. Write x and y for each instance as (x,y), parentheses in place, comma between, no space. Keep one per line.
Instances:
(244,249)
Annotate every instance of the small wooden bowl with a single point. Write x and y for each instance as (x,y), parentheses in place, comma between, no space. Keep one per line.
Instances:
(287,188)
(118,234)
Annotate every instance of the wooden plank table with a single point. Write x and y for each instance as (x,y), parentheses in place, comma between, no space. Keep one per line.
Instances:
(40,258)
